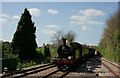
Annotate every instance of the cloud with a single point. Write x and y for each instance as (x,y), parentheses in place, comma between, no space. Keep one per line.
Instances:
(79,18)
(4,16)
(92,12)
(85,28)
(51,11)
(3,20)
(35,11)
(83,20)
(76,22)
(15,17)
(52,26)
(49,32)
(94,22)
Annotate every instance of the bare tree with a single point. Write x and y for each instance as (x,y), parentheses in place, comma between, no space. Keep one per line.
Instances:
(57,38)
(71,36)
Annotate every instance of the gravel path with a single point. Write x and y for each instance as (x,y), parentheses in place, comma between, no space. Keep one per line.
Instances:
(97,68)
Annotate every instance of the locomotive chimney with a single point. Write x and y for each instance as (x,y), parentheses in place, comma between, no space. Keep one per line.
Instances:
(64,41)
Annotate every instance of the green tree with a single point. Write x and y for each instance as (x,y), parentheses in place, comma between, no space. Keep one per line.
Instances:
(109,45)
(47,51)
(23,42)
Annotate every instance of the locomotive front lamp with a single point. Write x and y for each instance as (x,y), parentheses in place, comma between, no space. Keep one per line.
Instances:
(69,57)
(68,42)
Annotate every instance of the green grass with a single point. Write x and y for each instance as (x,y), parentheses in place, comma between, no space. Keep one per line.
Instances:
(52,51)
(40,50)
(25,65)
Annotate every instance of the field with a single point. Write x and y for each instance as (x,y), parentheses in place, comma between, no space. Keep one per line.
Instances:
(52,51)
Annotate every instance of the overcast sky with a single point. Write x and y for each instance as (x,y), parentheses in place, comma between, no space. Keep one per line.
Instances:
(86,19)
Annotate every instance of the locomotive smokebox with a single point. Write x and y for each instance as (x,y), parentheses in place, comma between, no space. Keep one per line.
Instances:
(64,41)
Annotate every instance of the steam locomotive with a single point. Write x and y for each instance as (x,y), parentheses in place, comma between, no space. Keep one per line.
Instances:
(74,53)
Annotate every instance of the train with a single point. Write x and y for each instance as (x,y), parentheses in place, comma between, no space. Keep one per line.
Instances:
(72,54)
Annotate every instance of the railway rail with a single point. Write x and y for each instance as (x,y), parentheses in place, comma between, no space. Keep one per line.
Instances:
(57,74)
(51,73)
(109,65)
(36,69)
(27,71)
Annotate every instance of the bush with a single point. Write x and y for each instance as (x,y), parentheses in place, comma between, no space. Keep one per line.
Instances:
(10,63)
(25,64)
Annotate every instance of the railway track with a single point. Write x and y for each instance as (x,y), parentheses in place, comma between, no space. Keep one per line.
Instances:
(110,63)
(51,73)
(27,71)
(111,66)
(58,73)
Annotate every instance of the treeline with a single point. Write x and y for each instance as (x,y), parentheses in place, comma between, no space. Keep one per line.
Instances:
(110,43)
(7,51)
(43,53)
